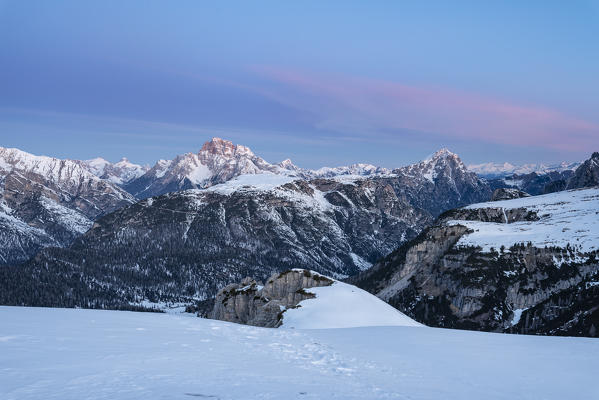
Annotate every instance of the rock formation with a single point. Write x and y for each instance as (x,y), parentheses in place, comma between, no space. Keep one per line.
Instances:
(251,303)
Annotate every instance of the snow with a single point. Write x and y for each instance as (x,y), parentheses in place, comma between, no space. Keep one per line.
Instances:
(262,182)
(517,314)
(72,354)
(69,218)
(161,167)
(360,262)
(565,217)
(199,174)
(343,306)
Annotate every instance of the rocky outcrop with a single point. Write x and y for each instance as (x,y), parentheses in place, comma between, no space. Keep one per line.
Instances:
(442,278)
(500,215)
(508,194)
(250,303)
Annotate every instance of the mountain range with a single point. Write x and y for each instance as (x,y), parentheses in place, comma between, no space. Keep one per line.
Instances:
(123,236)
(183,246)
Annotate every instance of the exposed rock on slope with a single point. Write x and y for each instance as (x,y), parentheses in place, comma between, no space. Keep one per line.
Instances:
(45,201)
(251,303)
(526,265)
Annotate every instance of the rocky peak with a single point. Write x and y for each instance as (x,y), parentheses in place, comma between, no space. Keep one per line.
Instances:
(225,148)
(288,164)
(587,174)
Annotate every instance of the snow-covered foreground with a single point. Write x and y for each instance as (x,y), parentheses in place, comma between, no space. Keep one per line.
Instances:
(86,354)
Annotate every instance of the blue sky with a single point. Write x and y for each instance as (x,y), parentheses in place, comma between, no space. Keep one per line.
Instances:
(324,83)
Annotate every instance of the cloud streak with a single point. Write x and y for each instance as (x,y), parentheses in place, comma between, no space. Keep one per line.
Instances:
(370,107)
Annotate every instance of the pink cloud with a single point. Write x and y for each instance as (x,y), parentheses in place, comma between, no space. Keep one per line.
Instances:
(349,104)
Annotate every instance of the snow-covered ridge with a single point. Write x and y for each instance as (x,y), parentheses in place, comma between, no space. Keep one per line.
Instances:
(67,174)
(343,306)
(118,173)
(566,218)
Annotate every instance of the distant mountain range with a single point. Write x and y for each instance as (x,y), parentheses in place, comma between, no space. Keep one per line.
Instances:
(498,170)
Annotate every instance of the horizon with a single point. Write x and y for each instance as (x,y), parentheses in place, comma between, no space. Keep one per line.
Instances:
(425,158)
(384,84)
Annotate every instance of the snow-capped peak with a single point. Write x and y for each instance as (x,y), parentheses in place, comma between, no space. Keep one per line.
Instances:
(119,173)
(288,165)
(225,148)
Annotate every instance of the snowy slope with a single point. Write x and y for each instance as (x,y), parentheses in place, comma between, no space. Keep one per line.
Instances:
(565,217)
(70,354)
(343,306)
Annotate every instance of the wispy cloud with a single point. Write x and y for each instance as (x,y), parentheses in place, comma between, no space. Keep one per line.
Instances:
(350,104)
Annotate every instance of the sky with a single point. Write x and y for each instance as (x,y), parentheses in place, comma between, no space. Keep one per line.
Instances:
(323,83)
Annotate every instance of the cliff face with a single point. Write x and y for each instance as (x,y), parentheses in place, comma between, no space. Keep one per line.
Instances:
(471,271)
(251,303)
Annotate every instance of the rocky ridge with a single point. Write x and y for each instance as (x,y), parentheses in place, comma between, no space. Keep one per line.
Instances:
(46,201)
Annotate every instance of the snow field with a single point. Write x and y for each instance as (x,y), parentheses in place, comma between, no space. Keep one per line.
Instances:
(89,354)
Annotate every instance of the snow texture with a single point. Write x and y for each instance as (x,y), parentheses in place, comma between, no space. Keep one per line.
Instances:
(71,354)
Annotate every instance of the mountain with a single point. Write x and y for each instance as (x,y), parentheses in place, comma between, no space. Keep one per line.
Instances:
(492,170)
(183,246)
(534,183)
(119,173)
(217,162)
(46,201)
(440,182)
(354,170)
(527,265)
(586,175)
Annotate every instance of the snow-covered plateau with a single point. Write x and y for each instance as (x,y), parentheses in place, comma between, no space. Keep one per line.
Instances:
(90,354)
(568,217)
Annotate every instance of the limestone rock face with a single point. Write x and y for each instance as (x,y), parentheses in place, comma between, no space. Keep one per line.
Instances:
(521,287)
(251,303)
